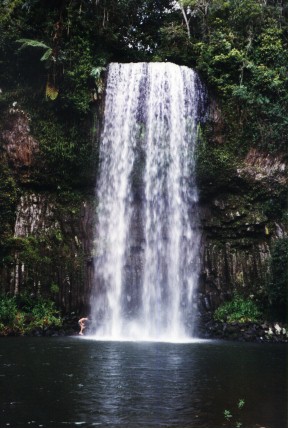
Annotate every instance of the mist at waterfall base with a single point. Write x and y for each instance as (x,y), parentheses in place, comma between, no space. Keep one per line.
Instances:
(147,235)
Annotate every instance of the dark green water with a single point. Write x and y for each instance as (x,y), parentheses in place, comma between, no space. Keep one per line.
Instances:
(73,382)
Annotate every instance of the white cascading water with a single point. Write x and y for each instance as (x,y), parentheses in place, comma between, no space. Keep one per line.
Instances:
(149,137)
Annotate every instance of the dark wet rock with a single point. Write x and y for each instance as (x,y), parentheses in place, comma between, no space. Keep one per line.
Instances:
(250,331)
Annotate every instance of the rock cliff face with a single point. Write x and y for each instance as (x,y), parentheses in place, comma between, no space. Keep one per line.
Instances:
(51,250)
(49,247)
(240,224)
(52,246)
(20,148)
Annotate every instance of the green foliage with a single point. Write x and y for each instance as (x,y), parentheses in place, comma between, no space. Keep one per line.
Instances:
(97,74)
(45,314)
(25,313)
(75,92)
(7,9)
(243,58)
(241,404)
(8,309)
(215,163)
(36,44)
(54,288)
(240,49)
(175,46)
(25,301)
(239,310)
(65,147)
(229,416)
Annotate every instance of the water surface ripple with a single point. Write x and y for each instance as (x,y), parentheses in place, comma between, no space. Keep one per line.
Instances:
(73,382)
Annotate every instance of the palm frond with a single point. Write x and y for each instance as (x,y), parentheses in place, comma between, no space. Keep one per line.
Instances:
(32,43)
(47,54)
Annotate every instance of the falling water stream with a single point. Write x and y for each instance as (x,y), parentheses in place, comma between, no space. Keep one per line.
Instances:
(147,235)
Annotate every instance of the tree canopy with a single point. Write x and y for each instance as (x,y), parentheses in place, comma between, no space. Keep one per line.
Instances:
(238,46)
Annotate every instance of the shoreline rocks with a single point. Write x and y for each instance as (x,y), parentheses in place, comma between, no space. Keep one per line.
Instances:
(265,332)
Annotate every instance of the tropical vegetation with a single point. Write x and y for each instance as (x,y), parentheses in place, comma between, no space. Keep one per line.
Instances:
(239,309)
(26,314)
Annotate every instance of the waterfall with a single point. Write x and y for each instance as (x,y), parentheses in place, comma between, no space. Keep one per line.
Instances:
(147,234)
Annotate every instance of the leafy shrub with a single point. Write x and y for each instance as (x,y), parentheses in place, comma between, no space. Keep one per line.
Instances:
(25,302)
(24,313)
(19,323)
(45,314)
(238,309)
(8,309)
